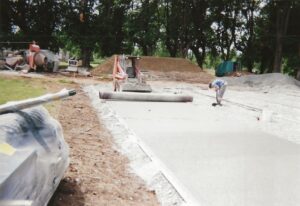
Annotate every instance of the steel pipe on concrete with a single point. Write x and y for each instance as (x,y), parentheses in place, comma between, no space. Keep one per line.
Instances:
(129,96)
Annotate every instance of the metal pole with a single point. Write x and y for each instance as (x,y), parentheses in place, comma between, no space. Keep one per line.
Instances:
(19,105)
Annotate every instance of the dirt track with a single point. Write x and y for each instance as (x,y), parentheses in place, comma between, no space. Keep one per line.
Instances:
(98,174)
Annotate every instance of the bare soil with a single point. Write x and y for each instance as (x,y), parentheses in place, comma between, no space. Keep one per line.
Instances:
(98,174)
(190,77)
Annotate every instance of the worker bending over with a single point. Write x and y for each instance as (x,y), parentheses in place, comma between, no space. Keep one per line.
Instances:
(220,86)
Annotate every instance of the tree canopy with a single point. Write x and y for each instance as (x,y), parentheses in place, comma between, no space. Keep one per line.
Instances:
(261,34)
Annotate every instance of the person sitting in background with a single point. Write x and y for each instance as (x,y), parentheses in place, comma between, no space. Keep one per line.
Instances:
(220,86)
(33,49)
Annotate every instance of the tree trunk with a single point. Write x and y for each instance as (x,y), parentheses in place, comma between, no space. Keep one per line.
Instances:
(250,50)
(249,65)
(4,19)
(278,54)
(199,57)
(227,57)
(145,50)
(171,49)
(183,51)
(298,71)
(283,13)
(172,52)
(298,74)
(86,56)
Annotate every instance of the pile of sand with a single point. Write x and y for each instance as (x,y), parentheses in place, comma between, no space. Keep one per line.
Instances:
(263,80)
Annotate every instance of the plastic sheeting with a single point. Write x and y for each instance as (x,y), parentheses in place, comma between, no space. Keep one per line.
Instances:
(33,156)
(224,68)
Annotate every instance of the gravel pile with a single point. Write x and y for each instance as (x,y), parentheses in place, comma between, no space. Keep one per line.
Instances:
(264,80)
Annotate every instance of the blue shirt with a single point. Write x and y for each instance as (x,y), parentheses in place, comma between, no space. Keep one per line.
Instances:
(218,83)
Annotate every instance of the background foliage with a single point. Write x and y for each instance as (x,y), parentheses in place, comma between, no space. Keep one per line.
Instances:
(261,34)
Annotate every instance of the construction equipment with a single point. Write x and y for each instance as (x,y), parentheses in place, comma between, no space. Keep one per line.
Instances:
(145,97)
(75,67)
(128,78)
(33,152)
(32,59)
(127,75)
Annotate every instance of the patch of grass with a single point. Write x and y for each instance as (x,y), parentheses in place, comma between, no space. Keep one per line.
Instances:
(94,65)
(97,62)
(63,65)
(19,89)
(66,81)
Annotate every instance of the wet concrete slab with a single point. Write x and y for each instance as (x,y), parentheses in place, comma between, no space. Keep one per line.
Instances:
(219,154)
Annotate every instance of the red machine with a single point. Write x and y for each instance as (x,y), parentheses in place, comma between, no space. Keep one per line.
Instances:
(31,59)
(34,58)
(127,76)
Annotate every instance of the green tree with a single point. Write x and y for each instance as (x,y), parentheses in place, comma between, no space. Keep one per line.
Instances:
(200,30)
(172,18)
(245,42)
(144,25)
(5,21)
(110,27)
(283,10)
(79,25)
(291,47)
(226,16)
(36,20)
(276,28)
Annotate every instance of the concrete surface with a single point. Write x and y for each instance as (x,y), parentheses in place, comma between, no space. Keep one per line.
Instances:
(223,155)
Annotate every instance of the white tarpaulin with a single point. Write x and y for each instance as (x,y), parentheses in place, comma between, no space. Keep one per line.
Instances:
(33,156)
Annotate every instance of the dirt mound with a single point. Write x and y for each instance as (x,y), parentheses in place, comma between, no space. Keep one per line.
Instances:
(263,80)
(147,63)
(190,77)
(162,68)
(104,68)
(165,64)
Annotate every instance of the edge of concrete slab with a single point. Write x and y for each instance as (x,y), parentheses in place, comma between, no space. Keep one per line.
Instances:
(143,161)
